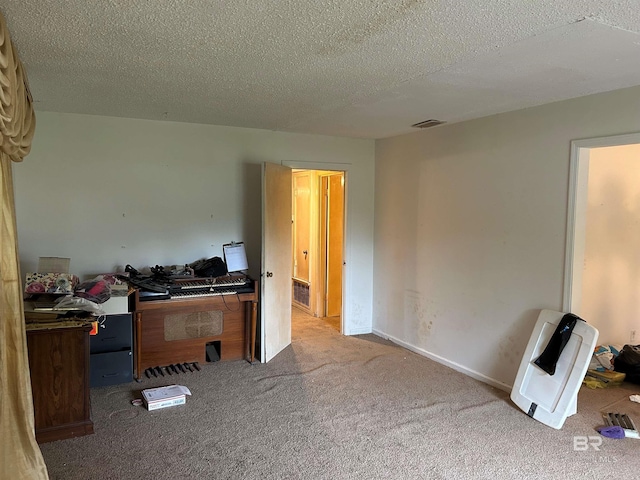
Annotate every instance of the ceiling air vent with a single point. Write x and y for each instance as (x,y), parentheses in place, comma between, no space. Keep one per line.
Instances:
(428,123)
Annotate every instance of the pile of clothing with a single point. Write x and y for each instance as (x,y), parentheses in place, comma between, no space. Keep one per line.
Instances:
(611,365)
(628,362)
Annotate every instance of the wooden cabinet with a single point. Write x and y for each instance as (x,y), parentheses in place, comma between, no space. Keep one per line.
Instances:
(59,364)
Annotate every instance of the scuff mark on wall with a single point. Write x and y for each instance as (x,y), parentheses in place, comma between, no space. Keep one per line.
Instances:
(357,316)
(508,352)
(415,316)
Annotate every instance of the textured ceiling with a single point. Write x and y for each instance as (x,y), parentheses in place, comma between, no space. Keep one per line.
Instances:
(358,68)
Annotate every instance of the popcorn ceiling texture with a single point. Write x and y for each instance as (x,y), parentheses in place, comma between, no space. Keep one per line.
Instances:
(357,68)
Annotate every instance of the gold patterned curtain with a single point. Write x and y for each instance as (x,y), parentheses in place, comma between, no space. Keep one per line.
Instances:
(20,456)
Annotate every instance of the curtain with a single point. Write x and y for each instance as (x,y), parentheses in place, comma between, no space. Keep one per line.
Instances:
(20,456)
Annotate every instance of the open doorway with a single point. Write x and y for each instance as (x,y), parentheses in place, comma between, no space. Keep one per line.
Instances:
(603,266)
(318,244)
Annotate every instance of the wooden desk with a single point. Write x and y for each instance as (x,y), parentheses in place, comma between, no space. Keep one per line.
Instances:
(59,364)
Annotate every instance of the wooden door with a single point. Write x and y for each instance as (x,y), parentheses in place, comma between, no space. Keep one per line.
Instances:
(335,230)
(276,260)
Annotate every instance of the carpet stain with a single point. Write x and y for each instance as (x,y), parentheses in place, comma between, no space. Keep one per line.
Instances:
(370,360)
(296,374)
(125,413)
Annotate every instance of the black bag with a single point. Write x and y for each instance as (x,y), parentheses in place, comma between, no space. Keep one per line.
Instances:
(628,362)
(211,267)
(551,354)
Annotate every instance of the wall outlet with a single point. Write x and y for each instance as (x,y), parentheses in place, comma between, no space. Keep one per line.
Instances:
(632,336)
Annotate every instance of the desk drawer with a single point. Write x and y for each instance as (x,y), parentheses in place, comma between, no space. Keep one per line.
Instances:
(111,368)
(114,334)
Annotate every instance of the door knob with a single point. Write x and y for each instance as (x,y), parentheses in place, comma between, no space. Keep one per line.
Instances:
(269,274)
(305,254)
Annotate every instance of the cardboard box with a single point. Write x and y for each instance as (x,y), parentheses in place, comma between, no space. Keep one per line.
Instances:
(162,397)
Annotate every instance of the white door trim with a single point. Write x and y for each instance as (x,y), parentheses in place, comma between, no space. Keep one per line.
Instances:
(576,213)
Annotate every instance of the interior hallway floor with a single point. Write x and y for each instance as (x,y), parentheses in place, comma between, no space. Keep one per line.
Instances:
(303,320)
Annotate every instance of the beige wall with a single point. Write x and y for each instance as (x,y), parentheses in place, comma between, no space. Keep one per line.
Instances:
(108,191)
(470,229)
(611,277)
(470,218)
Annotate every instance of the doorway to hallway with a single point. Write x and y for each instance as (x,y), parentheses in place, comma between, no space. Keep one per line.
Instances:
(318,225)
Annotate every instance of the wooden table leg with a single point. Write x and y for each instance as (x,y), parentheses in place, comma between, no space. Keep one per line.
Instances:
(137,343)
(254,324)
(247,334)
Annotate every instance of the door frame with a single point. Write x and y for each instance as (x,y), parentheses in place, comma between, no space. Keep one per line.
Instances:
(346,231)
(577,213)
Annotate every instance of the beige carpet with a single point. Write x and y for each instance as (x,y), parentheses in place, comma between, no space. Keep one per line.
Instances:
(334,407)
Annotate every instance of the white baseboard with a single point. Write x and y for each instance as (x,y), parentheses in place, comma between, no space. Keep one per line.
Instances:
(456,366)
(359,332)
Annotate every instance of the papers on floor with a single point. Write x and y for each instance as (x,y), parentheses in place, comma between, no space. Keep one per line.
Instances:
(162,397)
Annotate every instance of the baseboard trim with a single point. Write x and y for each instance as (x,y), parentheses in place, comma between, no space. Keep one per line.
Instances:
(448,363)
(359,332)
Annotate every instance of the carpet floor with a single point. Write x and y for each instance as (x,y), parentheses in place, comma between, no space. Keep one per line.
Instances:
(336,407)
